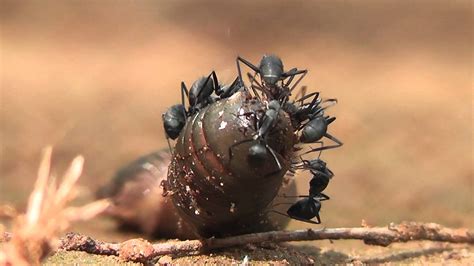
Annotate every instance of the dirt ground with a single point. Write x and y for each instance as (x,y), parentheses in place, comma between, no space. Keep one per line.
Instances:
(93,78)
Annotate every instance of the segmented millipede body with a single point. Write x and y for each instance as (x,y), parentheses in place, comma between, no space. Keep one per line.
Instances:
(212,182)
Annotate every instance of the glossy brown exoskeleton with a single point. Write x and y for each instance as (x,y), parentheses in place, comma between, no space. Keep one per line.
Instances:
(222,194)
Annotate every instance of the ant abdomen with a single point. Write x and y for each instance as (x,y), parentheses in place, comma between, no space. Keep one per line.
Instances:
(211,180)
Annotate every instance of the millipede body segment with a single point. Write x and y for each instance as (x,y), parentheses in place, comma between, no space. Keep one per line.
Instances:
(212,182)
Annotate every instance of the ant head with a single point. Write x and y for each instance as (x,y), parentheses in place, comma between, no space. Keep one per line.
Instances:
(174,120)
(271,69)
(178,111)
(271,59)
(257,154)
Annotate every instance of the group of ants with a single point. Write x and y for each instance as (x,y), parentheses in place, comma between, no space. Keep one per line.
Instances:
(275,86)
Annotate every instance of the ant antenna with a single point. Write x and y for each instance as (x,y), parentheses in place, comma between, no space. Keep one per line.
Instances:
(301,92)
(320,152)
(311,150)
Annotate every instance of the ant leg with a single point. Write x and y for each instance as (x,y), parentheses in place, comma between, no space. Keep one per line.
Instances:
(320,152)
(233,88)
(231,153)
(323,197)
(215,81)
(318,219)
(238,69)
(327,135)
(293,72)
(291,171)
(339,143)
(253,80)
(214,77)
(303,72)
(315,112)
(254,89)
(303,125)
(299,196)
(331,101)
(301,92)
(297,218)
(276,160)
(315,149)
(290,74)
(304,164)
(253,86)
(254,68)
(258,86)
(166,135)
(315,94)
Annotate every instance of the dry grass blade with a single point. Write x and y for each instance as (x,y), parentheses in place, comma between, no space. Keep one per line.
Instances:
(37,197)
(86,212)
(36,233)
(70,179)
(7,212)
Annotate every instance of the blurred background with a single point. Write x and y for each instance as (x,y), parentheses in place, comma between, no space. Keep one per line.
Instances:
(94,77)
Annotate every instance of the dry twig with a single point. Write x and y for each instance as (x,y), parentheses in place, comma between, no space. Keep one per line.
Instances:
(141,250)
(35,234)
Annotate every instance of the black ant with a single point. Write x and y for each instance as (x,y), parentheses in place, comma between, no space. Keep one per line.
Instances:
(317,124)
(321,176)
(309,207)
(257,153)
(199,96)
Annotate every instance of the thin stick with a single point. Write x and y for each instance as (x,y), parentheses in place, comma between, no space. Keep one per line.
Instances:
(382,236)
